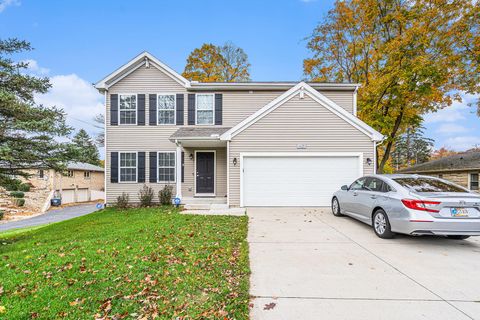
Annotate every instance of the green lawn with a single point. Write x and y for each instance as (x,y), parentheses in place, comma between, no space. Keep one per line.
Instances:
(128,264)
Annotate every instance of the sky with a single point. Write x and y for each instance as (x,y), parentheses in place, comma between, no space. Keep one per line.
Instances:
(78,42)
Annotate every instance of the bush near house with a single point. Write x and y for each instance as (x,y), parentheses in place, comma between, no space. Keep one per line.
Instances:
(19,202)
(146,196)
(122,201)
(128,264)
(165,195)
(17,194)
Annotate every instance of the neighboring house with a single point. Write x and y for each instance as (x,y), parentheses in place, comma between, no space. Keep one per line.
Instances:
(240,144)
(462,169)
(81,182)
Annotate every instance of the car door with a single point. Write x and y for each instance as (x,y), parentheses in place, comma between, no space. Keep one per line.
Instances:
(368,197)
(350,198)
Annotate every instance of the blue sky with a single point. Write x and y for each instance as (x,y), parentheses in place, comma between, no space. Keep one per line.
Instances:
(79,42)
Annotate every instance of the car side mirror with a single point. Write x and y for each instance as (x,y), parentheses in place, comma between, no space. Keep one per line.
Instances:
(345,188)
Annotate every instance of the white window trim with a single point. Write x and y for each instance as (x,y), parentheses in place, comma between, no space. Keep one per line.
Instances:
(136,109)
(470,181)
(213,109)
(119,167)
(174,168)
(174,109)
(214,173)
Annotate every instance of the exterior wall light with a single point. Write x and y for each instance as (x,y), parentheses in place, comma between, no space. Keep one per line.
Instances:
(369,161)
(191,156)
(234,161)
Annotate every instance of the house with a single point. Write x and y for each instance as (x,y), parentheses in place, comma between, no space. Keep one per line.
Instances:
(236,144)
(462,169)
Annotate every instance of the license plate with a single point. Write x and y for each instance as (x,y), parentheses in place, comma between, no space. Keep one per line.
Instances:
(459,212)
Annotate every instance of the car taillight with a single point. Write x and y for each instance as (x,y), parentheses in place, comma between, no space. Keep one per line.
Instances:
(421,205)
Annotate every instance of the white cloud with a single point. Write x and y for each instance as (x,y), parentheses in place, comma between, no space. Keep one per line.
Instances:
(35,68)
(6,3)
(451,129)
(462,143)
(77,97)
(459,110)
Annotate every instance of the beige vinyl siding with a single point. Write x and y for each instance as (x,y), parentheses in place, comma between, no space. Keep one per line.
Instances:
(298,121)
(344,99)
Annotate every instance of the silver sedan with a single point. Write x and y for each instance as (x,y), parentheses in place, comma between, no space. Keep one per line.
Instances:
(410,204)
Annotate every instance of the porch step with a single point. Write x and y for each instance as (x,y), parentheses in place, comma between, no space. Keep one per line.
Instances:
(205,206)
(204,200)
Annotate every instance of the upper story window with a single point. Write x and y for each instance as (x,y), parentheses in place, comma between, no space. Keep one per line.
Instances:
(128,166)
(128,109)
(474,181)
(205,108)
(166,167)
(166,108)
(86,174)
(70,173)
(41,173)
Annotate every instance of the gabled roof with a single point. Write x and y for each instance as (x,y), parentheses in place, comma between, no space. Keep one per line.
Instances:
(457,162)
(142,59)
(303,88)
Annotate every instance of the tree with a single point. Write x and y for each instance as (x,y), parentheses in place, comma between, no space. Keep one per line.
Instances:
(212,63)
(100,124)
(411,148)
(442,152)
(87,151)
(28,132)
(411,57)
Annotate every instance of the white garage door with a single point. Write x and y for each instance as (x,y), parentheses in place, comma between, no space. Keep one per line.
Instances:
(296,180)
(82,195)
(68,195)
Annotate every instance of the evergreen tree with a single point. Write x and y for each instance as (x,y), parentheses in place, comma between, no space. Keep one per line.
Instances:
(411,148)
(86,149)
(28,132)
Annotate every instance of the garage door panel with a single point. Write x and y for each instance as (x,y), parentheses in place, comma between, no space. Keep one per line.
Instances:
(295,181)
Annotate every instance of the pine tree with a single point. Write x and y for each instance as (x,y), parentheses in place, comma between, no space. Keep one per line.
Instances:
(29,133)
(86,149)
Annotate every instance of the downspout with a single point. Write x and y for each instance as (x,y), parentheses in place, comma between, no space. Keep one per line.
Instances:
(105,148)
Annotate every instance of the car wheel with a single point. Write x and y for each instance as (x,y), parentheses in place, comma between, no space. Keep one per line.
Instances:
(336,207)
(457,237)
(381,225)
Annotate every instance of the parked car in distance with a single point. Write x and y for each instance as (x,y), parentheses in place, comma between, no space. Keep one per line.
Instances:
(410,204)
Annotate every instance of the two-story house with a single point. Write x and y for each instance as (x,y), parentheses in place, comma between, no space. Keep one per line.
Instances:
(241,144)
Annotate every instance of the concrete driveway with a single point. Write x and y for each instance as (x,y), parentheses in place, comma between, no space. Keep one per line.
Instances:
(308,264)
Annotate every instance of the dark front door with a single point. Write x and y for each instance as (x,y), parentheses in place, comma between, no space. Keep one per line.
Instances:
(205,172)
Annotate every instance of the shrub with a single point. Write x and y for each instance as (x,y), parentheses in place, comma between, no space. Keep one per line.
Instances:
(122,201)
(12,184)
(165,195)
(17,194)
(19,202)
(2,213)
(24,187)
(146,196)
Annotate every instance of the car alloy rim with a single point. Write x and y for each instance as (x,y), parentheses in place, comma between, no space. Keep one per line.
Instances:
(380,223)
(335,206)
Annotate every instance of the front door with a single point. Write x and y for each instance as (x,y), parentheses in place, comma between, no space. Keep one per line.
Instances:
(205,172)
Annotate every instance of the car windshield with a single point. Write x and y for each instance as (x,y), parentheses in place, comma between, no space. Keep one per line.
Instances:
(427,185)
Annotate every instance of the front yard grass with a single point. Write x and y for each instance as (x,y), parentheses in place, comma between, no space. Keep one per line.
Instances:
(136,263)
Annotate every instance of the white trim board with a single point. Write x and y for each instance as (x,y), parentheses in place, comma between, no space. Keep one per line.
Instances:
(303,88)
(295,154)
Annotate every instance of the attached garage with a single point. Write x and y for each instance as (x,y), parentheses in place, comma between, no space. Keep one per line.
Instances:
(298,179)
(82,195)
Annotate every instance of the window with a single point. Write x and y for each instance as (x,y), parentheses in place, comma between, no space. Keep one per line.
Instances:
(166,167)
(166,108)
(358,185)
(427,185)
(70,173)
(205,108)
(41,173)
(474,181)
(374,184)
(86,174)
(128,109)
(128,167)
(440,176)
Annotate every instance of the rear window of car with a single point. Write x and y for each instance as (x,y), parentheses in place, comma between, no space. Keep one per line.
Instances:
(427,185)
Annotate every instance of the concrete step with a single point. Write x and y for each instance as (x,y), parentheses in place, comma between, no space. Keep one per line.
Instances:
(197,206)
(204,200)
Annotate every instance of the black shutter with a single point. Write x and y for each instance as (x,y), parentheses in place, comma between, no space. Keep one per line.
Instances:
(141,110)
(180,107)
(183,166)
(114,109)
(152,109)
(218,108)
(153,167)
(141,167)
(191,109)
(114,167)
